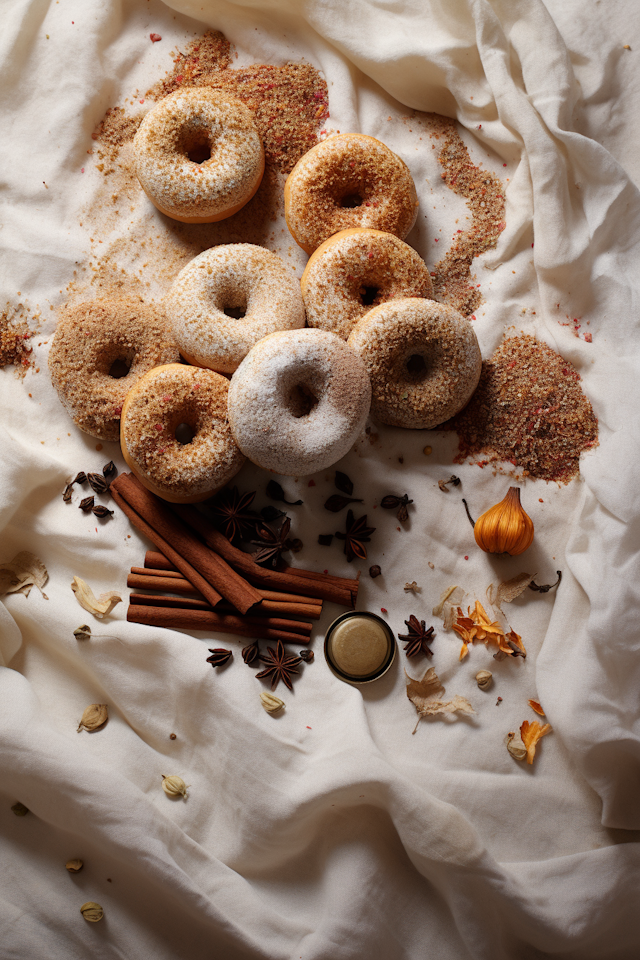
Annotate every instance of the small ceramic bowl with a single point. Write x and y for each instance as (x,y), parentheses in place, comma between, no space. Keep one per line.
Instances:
(347,655)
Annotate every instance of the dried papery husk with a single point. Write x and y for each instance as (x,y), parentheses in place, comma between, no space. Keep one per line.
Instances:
(83,632)
(531,733)
(477,625)
(91,911)
(270,703)
(508,590)
(535,706)
(424,694)
(505,527)
(174,787)
(100,607)
(515,746)
(447,605)
(22,573)
(74,866)
(94,717)
(484,678)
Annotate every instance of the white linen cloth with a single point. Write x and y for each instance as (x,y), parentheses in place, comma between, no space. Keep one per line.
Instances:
(331,832)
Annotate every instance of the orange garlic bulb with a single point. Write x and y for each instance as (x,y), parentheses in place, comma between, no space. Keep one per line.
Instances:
(505,528)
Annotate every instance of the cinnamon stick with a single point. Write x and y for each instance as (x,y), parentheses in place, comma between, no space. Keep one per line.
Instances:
(212,567)
(266,594)
(187,603)
(157,561)
(256,627)
(185,568)
(173,585)
(329,590)
(150,572)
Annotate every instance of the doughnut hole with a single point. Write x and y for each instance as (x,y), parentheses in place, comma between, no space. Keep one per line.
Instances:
(116,361)
(195,144)
(301,400)
(300,390)
(236,313)
(416,367)
(184,425)
(184,434)
(120,368)
(368,295)
(351,200)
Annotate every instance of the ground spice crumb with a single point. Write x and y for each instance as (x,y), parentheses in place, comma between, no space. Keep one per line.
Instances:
(14,338)
(529,410)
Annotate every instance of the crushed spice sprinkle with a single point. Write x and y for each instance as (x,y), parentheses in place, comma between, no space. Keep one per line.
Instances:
(15,334)
(529,409)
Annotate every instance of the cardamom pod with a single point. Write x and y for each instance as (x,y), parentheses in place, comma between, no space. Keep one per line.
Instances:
(307,656)
(97,482)
(515,746)
(94,717)
(19,809)
(270,703)
(101,511)
(86,504)
(74,866)
(68,490)
(92,911)
(81,477)
(83,632)
(484,679)
(109,471)
(174,787)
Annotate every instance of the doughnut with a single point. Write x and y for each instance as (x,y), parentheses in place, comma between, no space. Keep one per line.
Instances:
(423,359)
(175,433)
(227,299)
(99,351)
(198,155)
(355,270)
(298,401)
(348,180)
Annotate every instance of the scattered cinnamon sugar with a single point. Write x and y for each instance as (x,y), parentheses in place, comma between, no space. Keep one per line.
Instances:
(15,334)
(289,103)
(484,195)
(529,409)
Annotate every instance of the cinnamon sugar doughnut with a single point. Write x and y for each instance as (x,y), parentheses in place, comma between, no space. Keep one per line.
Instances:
(348,180)
(423,359)
(198,155)
(298,401)
(356,270)
(180,399)
(99,351)
(243,279)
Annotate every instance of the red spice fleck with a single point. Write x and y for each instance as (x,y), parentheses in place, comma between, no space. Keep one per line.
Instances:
(311,483)
(154,37)
(504,164)
(466,558)
(540,500)
(179,77)
(325,571)
(82,170)
(370,255)
(308,727)
(159,426)
(383,610)
(588,338)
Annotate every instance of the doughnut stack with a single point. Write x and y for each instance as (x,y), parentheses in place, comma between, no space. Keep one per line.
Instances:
(242,360)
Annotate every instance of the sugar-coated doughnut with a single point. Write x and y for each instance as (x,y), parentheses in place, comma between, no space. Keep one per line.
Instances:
(356,270)
(243,279)
(198,155)
(423,359)
(298,401)
(100,350)
(188,401)
(348,180)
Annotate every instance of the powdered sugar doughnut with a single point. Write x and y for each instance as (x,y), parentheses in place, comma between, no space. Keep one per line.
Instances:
(99,351)
(423,359)
(198,155)
(176,399)
(356,270)
(348,180)
(260,294)
(298,401)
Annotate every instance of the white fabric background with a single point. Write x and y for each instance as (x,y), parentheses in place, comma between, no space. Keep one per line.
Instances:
(332,832)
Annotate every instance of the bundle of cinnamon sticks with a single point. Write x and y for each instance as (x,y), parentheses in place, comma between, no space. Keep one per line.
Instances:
(219,587)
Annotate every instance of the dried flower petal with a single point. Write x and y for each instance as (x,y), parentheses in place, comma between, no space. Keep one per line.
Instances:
(251,652)
(535,706)
(94,717)
(343,482)
(271,703)
(100,607)
(22,573)
(219,656)
(92,912)
(423,694)
(444,484)
(19,809)
(83,632)
(174,787)
(478,626)
(531,733)
(515,746)
(74,866)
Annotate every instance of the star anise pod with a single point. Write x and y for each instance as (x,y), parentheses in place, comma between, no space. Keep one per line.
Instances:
(272,543)
(219,656)
(418,639)
(231,514)
(390,502)
(280,666)
(357,534)
(251,652)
